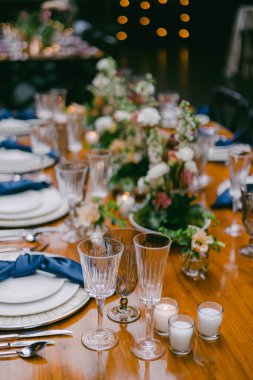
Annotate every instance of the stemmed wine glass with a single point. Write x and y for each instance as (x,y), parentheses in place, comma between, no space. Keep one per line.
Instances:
(152,251)
(100,171)
(247,218)
(71,178)
(100,260)
(127,276)
(239,166)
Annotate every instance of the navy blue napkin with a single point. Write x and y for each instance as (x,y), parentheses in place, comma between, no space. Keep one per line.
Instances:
(25,114)
(227,142)
(14,187)
(223,200)
(26,265)
(12,144)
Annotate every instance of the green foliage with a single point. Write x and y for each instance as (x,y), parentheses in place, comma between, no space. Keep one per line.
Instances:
(107,212)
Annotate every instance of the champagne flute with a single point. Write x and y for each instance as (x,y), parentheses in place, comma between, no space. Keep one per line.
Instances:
(75,129)
(239,166)
(127,276)
(247,218)
(71,178)
(100,260)
(152,251)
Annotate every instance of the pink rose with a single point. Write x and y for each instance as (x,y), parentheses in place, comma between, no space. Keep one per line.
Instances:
(162,200)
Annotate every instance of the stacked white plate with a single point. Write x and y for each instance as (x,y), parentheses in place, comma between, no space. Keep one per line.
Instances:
(31,208)
(15,127)
(220,153)
(37,299)
(18,162)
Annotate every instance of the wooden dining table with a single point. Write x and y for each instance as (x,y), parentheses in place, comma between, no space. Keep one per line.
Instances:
(229,281)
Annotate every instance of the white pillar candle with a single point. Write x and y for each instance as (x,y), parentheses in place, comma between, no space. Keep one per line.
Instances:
(181,328)
(163,311)
(209,320)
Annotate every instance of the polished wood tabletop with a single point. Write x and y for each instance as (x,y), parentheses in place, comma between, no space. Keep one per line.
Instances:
(229,282)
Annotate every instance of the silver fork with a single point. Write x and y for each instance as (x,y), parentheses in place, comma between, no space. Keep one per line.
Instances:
(25,250)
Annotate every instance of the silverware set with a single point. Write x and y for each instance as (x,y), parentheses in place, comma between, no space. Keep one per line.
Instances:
(30,347)
(28,235)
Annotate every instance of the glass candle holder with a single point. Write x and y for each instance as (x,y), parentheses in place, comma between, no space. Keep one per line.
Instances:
(162,312)
(209,320)
(181,329)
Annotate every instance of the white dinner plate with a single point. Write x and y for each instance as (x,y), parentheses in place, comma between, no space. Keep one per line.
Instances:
(17,161)
(15,126)
(50,201)
(29,288)
(66,292)
(220,153)
(64,310)
(20,203)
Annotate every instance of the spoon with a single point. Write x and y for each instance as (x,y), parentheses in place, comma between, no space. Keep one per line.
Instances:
(29,237)
(26,352)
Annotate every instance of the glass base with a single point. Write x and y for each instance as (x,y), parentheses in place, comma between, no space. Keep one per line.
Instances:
(128,315)
(148,349)
(102,341)
(246,251)
(71,236)
(209,338)
(234,230)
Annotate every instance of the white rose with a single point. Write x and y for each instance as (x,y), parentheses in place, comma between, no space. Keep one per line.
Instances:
(100,81)
(105,64)
(142,187)
(157,171)
(103,124)
(122,115)
(144,88)
(185,154)
(191,166)
(148,116)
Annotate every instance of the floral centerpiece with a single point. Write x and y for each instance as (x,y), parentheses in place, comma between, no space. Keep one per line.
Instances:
(196,247)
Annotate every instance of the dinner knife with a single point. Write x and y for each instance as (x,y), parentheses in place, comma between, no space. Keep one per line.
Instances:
(34,334)
(23,343)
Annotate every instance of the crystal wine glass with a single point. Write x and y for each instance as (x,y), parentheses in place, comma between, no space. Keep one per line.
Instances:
(71,178)
(239,166)
(205,141)
(247,218)
(151,255)
(100,260)
(100,171)
(75,128)
(127,276)
(44,105)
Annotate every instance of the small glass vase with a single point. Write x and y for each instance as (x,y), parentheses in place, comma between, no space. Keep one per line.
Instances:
(194,265)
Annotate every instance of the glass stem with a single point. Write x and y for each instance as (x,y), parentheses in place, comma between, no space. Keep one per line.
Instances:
(235,209)
(149,326)
(72,211)
(100,306)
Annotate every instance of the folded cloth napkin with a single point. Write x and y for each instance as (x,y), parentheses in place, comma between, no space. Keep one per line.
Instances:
(223,200)
(226,142)
(25,114)
(14,187)
(26,265)
(12,144)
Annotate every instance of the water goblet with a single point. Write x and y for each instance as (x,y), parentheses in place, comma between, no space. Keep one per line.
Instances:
(239,166)
(152,251)
(43,105)
(127,276)
(71,178)
(100,260)
(247,218)
(41,138)
(205,141)
(75,129)
(100,171)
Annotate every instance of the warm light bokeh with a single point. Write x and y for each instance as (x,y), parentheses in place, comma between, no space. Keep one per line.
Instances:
(161,32)
(184,17)
(124,3)
(121,36)
(144,21)
(145,5)
(184,2)
(122,19)
(184,33)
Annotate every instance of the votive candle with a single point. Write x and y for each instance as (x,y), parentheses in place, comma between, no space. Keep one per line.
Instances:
(162,312)
(209,320)
(181,329)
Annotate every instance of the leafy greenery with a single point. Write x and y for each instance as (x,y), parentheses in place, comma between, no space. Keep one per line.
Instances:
(108,212)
